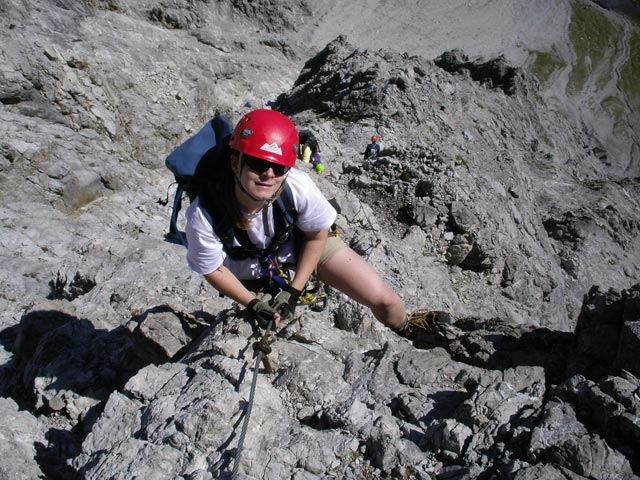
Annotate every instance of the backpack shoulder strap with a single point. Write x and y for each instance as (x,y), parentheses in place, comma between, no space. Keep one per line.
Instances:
(285,204)
(284,217)
(173,223)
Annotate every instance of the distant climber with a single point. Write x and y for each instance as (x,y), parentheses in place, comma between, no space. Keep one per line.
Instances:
(309,150)
(372,149)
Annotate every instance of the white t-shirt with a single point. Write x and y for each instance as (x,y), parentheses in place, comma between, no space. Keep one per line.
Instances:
(205,253)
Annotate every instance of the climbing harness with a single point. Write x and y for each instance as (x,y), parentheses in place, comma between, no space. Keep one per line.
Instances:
(274,278)
(270,269)
(261,349)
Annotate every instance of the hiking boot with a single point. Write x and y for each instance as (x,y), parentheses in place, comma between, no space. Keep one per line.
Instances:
(420,322)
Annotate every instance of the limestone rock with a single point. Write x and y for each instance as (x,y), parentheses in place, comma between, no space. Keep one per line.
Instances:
(117,361)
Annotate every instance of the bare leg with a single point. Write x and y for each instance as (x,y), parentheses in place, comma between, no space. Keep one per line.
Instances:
(352,275)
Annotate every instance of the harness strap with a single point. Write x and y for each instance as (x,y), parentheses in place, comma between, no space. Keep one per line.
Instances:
(284,215)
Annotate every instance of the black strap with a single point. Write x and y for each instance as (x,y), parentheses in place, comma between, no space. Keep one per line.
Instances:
(284,214)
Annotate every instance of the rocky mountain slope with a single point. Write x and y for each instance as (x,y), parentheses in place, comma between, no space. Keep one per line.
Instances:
(487,201)
(585,57)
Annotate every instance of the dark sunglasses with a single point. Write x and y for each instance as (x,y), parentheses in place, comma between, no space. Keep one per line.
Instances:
(261,166)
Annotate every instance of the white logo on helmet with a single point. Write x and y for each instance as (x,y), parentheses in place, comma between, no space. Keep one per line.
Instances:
(272,148)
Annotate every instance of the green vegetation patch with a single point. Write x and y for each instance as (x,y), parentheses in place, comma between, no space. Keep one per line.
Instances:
(593,37)
(630,72)
(615,110)
(545,65)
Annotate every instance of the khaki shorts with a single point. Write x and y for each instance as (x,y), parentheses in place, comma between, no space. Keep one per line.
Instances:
(334,243)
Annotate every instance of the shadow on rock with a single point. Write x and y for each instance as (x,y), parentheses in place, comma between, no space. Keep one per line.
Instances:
(495,73)
(65,365)
(64,368)
(164,334)
(62,444)
(607,334)
(498,345)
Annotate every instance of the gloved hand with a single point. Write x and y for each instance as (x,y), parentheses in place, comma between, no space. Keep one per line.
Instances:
(261,311)
(285,302)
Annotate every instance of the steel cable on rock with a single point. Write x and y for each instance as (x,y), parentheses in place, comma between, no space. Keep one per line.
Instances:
(247,415)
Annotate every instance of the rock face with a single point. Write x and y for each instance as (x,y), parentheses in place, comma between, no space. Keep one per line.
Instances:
(486,202)
(445,160)
(474,398)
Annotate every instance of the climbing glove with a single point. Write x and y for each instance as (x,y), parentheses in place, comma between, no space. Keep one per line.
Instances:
(261,311)
(285,302)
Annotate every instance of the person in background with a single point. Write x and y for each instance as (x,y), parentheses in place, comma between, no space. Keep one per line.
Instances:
(309,150)
(372,150)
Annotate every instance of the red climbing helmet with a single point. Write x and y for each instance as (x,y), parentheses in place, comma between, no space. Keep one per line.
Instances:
(268,135)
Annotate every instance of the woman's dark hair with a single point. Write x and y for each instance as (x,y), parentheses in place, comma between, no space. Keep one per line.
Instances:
(228,196)
(217,193)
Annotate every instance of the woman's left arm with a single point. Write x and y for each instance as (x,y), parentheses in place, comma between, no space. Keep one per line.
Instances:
(310,253)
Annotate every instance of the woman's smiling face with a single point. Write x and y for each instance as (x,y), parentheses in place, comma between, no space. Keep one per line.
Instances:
(257,178)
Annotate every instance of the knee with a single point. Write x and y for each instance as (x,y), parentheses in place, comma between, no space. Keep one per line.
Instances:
(387,299)
(389,309)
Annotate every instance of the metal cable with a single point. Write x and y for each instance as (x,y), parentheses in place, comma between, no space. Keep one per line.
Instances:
(247,414)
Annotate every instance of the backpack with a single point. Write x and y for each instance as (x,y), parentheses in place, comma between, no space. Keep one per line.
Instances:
(307,137)
(195,164)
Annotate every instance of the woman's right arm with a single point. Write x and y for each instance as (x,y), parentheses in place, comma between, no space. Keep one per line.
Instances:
(205,252)
(228,285)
